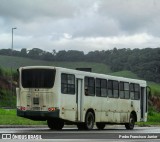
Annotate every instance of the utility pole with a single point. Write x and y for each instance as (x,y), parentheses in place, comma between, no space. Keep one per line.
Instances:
(12,64)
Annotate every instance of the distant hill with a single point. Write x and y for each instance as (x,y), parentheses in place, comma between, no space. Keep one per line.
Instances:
(145,63)
(125,73)
(7,62)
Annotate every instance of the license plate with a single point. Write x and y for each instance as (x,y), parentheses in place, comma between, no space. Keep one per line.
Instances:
(36,101)
(36,108)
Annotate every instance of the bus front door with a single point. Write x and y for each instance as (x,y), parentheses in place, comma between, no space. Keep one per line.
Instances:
(143,103)
(79,100)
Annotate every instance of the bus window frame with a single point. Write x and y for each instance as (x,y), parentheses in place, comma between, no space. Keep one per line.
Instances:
(124,90)
(87,87)
(68,84)
(100,87)
(112,88)
(134,91)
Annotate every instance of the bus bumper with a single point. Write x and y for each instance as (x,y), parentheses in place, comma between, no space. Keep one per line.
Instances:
(38,115)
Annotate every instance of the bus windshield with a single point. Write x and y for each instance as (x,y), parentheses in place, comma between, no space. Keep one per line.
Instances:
(38,78)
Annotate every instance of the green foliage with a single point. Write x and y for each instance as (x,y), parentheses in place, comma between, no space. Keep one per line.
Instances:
(154,117)
(7,99)
(9,117)
(155,88)
(126,73)
(1,72)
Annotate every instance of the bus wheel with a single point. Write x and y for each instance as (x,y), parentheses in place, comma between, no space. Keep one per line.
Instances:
(89,121)
(100,126)
(130,125)
(55,124)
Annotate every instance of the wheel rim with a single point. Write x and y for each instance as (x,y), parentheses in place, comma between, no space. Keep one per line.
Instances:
(131,122)
(90,121)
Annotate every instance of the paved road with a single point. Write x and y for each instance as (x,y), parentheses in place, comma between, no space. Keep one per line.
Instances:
(110,133)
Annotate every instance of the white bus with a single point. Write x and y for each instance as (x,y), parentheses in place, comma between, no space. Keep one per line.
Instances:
(65,96)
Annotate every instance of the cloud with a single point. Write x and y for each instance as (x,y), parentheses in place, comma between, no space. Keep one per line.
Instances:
(27,10)
(104,43)
(81,25)
(87,44)
(133,16)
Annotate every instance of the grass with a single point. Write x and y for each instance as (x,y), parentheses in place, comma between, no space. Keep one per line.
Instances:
(9,117)
(153,119)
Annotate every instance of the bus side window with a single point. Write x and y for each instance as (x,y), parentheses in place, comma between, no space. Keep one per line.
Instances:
(115,89)
(137,92)
(122,92)
(98,87)
(134,91)
(110,88)
(89,86)
(101,87)
(86,91)
(67,83)
(126,90)
(104,88)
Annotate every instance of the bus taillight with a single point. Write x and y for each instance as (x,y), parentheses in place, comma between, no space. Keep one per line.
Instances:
(22,108)
(51,109)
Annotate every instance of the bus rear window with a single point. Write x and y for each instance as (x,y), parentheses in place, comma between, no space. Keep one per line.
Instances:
(38,78)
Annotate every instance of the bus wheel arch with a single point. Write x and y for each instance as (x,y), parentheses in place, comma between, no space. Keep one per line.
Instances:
(89,119)
(55,124)
(100,125)
(132,120)
(135,115)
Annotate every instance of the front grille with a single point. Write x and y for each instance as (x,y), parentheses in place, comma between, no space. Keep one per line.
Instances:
(36,101)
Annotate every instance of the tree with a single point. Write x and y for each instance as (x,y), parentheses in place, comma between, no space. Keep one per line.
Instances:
(23,52)
(35,53)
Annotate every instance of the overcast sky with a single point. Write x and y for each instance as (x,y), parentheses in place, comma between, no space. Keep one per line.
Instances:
(84,25)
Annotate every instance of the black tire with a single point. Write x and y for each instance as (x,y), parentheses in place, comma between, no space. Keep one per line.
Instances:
(100,125)
(89,121)
(130,125)
(55,124)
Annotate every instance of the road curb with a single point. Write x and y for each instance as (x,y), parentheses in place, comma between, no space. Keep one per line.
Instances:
(23,126)
(32,126)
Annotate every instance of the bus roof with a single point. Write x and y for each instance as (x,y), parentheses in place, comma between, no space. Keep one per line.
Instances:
(90,74)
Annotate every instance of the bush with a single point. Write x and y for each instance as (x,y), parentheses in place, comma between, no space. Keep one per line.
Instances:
(1,72)
(7,99)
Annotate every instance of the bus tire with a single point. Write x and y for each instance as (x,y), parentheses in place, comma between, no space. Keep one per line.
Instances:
(55,124)
(100,125)
(130,125)
(89,121)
